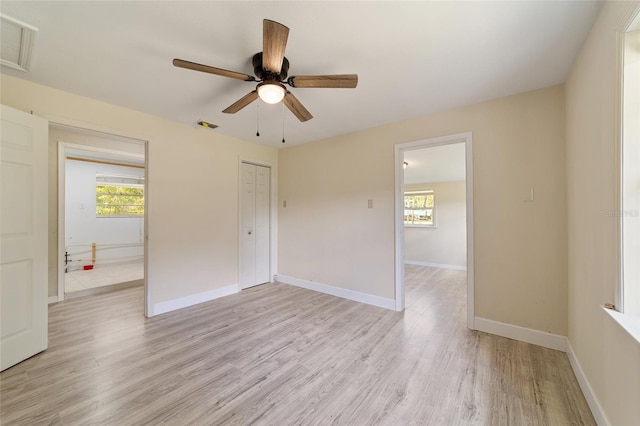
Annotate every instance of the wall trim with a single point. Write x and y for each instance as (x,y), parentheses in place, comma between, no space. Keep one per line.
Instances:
(65,123)
(194,299)
(587,390)
(369,299)
(436,265)
(52,299)
(523,334)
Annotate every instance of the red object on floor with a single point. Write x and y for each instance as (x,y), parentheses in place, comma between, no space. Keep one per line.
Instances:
(88,267)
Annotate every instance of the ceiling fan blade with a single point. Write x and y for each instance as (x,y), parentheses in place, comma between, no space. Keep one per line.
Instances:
(343,81)
(296,107)
(212,70)
(241,103)
(274,43)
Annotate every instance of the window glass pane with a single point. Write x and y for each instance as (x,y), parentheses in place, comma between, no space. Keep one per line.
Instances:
(630,208)
(429,200)
(119,200)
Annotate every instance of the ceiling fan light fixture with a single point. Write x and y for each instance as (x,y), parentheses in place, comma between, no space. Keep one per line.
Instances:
(271,93)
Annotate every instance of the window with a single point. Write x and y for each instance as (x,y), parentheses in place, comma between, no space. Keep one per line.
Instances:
(629,212)
(119,196)
(419,208)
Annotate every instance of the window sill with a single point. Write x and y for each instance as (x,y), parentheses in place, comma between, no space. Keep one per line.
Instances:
(422,226)
(629,323)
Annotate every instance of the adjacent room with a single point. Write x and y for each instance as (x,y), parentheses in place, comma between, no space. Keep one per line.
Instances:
(435,216)
(104,221)
(343,213)
(435,204)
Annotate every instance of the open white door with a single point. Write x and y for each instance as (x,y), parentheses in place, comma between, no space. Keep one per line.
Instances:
(23,236)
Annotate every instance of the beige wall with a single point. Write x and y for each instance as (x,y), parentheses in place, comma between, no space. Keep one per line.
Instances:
(192,189)
(327,234)
(609,357)
(446,243)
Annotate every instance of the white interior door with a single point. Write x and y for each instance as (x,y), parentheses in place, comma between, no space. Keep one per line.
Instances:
(254,225)
(23,236)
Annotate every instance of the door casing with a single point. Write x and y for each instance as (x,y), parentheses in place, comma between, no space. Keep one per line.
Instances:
(272,216)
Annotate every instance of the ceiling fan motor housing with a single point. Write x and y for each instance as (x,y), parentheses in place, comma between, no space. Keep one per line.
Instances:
(263,74)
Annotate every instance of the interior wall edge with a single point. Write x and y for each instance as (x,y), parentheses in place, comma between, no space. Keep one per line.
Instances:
(594,404)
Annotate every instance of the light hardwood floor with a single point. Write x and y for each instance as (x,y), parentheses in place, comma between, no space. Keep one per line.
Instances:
(280,355)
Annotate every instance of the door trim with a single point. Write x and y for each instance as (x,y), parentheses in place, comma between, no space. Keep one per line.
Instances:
(273,214)
(61,148)
(399,150)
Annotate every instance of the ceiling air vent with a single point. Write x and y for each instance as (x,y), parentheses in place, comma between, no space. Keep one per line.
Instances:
(207,125)
(17,43)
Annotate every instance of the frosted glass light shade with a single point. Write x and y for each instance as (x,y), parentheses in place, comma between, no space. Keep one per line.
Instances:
(271,93)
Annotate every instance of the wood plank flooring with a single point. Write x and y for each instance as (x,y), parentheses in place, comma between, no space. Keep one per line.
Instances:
(282,355)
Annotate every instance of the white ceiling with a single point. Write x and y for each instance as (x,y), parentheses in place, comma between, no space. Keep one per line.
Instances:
(443,163)
(412,58)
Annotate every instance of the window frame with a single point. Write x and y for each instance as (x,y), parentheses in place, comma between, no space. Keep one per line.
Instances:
(623,212)
(429,191)
(630,323)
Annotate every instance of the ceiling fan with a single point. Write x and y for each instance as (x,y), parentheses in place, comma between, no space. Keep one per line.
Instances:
(270,69)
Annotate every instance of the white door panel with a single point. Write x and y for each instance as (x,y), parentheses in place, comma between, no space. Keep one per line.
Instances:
(23,236)
(247,224)
(254,225)
(263,183)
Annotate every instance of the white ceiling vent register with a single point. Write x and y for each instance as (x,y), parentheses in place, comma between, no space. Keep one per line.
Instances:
(17,43)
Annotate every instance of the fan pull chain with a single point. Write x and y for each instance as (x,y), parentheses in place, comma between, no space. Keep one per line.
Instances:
(258,119)
(283,122)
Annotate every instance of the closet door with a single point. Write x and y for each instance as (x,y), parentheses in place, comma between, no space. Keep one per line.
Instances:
(254,225)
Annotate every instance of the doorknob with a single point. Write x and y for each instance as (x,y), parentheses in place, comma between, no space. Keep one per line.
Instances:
(250,232)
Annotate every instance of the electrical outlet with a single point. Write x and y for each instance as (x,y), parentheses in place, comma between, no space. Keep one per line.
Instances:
(370,204)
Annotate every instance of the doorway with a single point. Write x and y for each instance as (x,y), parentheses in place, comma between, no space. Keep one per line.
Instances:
(428,205)
(255,229)
(104,221)
(101,210)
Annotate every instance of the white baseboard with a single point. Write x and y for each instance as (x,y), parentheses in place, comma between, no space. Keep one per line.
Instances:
(53,299)
(436,265)
(194,299)
(369,299)
(587,390)
(528,335)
